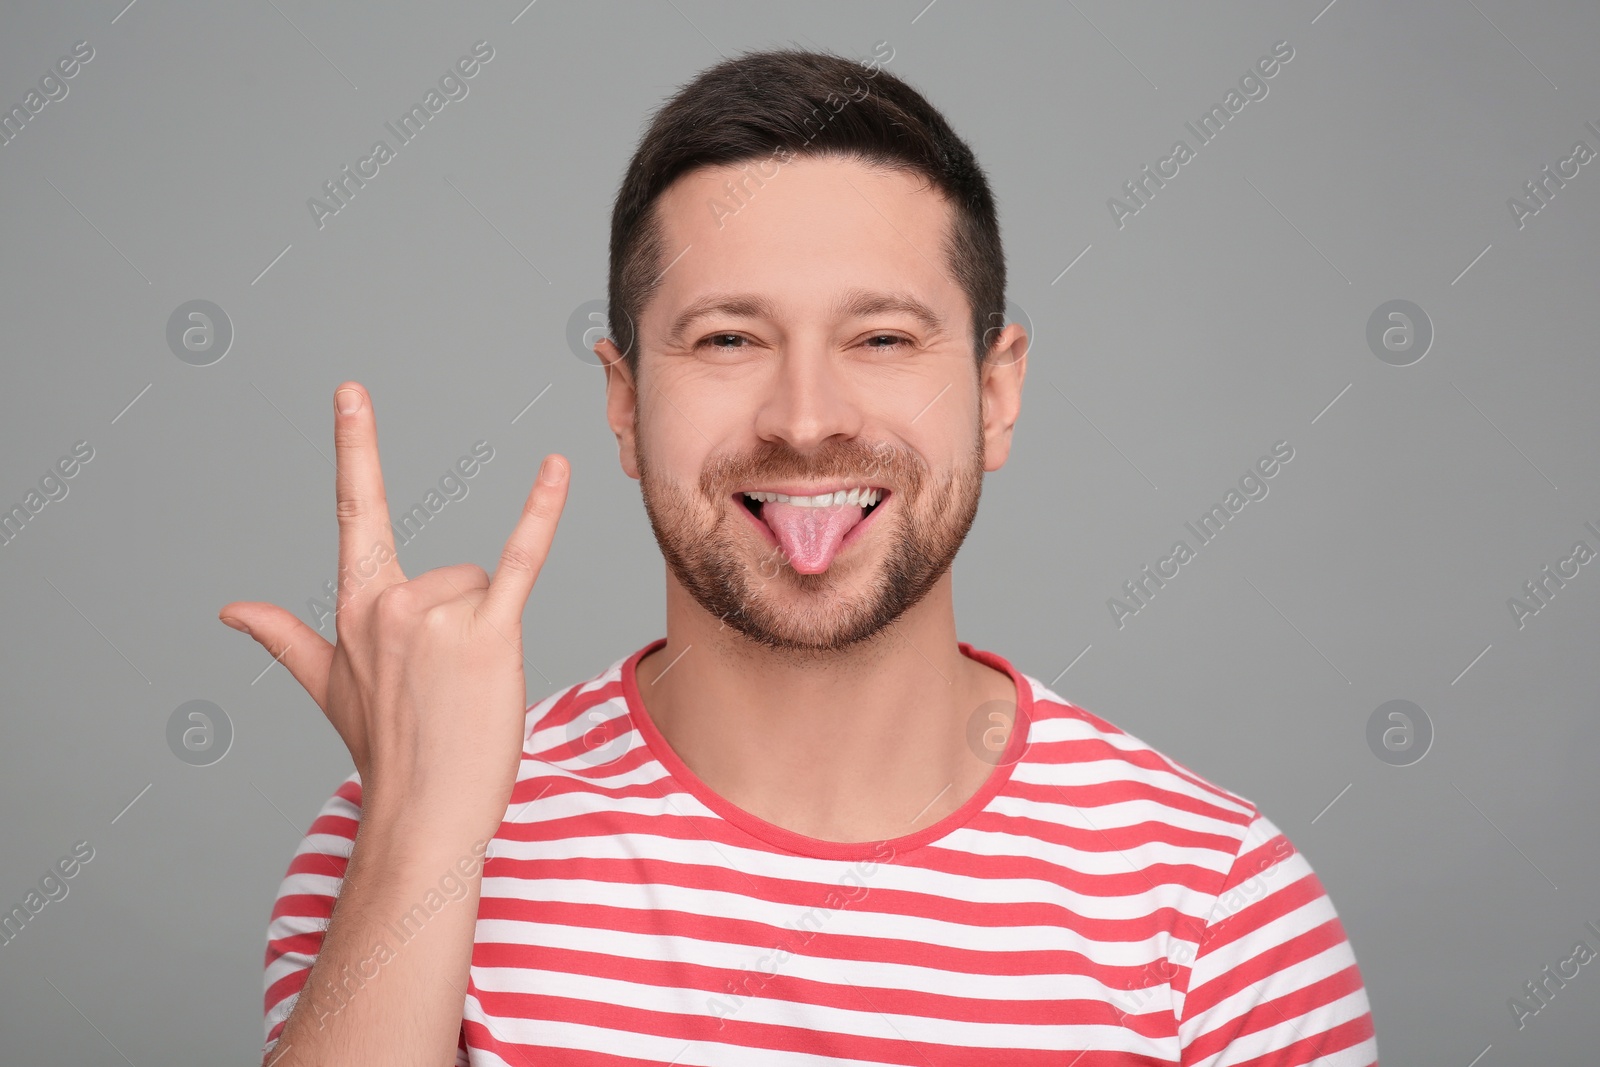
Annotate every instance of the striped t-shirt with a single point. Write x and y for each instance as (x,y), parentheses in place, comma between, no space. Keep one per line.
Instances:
(1095,903)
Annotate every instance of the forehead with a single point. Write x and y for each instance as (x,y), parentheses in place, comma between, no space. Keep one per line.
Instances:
(802,233)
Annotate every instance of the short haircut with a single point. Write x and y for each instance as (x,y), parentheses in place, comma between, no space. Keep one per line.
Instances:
(785,103)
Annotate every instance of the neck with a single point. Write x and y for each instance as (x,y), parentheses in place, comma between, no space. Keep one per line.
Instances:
(868,743)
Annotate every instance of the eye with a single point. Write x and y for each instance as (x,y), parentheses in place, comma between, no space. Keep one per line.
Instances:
(893,339)
(719,340)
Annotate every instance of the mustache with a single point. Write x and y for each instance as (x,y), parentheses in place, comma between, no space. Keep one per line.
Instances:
(875,463)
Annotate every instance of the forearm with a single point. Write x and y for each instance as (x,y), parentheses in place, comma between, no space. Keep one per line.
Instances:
(426,689)
(389,980)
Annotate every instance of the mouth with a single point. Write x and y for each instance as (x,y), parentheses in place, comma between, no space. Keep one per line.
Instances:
(812,529)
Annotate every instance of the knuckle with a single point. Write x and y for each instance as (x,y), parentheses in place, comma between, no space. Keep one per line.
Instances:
(396,603)
(517,558)
(543,506)
(439,619)
(346,435)
(350,508)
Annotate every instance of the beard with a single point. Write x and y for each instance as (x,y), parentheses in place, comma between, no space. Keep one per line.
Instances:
(759,595)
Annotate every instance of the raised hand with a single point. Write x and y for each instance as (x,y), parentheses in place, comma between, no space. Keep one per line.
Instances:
(424,683)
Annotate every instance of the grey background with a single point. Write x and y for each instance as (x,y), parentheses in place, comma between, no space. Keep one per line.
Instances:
(1227,315)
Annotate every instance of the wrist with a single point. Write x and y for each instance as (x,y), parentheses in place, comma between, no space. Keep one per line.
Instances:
(429,823)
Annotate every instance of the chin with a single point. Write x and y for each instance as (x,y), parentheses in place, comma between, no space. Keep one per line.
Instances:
(728,561)
(841,608)
(805,632)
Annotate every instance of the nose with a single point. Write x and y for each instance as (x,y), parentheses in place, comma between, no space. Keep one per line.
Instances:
(809,397)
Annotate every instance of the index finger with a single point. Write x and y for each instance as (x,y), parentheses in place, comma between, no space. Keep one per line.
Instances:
(529,544)
(360,501)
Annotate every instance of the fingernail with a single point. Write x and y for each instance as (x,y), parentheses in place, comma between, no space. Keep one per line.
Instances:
(235,623)
(551,471)
(348,401)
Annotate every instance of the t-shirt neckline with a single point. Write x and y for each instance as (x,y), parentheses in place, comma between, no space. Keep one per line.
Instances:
(800,844)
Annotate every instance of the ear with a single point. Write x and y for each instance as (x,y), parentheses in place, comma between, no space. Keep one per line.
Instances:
(1000,393)
(621,403)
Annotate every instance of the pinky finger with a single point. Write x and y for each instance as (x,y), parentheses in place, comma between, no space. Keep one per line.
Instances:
(529,544)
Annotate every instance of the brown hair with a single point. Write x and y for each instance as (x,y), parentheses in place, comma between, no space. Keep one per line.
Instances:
(786,103)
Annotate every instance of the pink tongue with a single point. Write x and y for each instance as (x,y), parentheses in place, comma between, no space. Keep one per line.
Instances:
(810,536)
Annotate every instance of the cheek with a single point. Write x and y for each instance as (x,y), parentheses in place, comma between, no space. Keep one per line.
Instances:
(947,432)
(674,438)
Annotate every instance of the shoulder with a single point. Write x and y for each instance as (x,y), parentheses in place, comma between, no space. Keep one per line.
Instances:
(1072,747)
(1085,772)
(1179,826)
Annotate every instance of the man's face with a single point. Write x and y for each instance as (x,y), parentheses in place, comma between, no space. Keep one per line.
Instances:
(808,338)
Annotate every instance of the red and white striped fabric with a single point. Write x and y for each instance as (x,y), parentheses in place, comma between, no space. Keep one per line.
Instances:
(1093,895)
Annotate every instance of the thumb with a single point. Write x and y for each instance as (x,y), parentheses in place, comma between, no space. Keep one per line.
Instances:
(306,653)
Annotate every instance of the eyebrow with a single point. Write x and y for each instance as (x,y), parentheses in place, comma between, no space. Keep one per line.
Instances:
(861,302)
(855,302)
(748,305)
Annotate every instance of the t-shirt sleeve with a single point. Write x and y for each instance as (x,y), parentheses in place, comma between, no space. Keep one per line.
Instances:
(304,904)
(1274,981)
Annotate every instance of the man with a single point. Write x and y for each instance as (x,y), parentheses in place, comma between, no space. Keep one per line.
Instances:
(809,825)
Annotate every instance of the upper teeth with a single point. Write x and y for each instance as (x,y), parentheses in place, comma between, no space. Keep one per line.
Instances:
(863,497)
